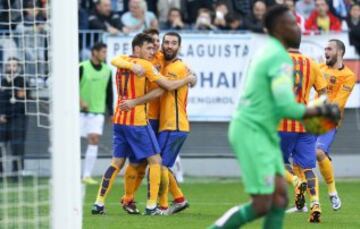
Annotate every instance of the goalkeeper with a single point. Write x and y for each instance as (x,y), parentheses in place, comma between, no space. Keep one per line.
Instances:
(268,97)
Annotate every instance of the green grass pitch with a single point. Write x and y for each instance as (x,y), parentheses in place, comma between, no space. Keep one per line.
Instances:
(209,199)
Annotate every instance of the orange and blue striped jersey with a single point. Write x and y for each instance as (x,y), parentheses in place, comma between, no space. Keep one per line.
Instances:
(173,114)
(130,86)
(307,75)
(340,84)
(154,105)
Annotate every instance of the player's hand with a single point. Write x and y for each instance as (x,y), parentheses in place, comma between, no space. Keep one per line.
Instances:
(83,106)
(193,80)
(330,110)
(138,69)
(127,105)
(3,119)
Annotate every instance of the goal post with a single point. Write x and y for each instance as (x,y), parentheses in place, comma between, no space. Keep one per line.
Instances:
(66,199)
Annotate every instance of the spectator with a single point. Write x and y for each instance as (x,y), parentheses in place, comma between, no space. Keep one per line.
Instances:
(225,19)
(138,18)
(305,7)
(83,19)
(34,44)
(204,21)
(174,21)
(242,7)
(299,19)
(221,12)
(234,22)
(12,112)
(95,99)
(255,21)
(321,19)
(191,9)
(9,14)
(353,23)
(274,2)
(102,18)
(339,8)
(164,6)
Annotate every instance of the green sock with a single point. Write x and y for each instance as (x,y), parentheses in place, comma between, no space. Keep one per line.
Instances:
(274,218)
(235,217)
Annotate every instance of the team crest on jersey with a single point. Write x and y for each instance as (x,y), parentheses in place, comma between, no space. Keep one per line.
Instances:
(155,71)
(332,79)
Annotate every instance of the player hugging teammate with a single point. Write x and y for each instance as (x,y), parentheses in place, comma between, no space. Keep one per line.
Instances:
(154,144)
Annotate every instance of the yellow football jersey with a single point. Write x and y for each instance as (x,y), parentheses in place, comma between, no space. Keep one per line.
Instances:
(340,84)
(173,114)
(154,105)
(307,75)
(130,86)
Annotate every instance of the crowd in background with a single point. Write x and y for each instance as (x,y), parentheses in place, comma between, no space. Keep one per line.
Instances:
(120,16)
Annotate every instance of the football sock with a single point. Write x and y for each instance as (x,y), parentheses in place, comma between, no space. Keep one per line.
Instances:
(140,174)
(312,185)
(291,178)
(90,158)
(164,188)
(236,217)
(106,183)
(129,183)
(299,172)
(274,218)
(154,177)
(327,172)
(174,187)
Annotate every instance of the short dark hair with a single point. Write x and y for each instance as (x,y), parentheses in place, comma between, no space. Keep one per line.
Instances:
(98,46)
(174,9)
(151,31)
(13,58)
(175,34)
(272,15)
(339,44)
(140,39)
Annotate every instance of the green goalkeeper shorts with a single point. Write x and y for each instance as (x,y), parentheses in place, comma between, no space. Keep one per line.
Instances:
(259,157)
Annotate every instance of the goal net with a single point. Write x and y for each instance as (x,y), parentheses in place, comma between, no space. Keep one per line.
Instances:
(39,138)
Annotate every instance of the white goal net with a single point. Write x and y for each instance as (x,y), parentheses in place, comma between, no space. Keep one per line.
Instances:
(39,143)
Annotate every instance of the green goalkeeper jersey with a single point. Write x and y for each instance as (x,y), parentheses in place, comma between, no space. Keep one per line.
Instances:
(268,94)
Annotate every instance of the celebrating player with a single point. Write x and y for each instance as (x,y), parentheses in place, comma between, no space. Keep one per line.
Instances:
(173,122)
(268,97)
(174,125)
(341,81)
(133,137)
(295,141)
